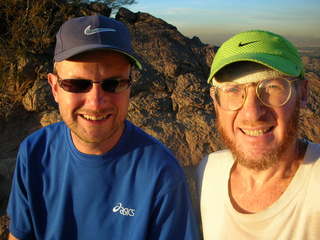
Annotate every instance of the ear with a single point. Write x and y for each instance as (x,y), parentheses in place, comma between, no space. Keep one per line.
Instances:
(53,81)
(212,93)
(303,93)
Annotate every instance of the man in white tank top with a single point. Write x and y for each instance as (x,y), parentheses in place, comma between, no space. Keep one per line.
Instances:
(266,185)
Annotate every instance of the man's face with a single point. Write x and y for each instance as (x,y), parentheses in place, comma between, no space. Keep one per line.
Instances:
(96,118)
(256,134)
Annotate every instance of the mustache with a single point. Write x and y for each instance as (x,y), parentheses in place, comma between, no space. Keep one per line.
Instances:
(95,112)
(254,124)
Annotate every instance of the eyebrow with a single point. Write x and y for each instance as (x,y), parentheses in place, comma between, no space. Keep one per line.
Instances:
(80,78)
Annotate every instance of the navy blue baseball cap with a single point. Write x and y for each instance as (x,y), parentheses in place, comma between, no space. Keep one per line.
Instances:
(83,34)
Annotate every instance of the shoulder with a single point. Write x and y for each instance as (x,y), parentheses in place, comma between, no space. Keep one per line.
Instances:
(141,135)
(139,139)
(215,160)
(214,164)
(155,159)
(52,129)
(312,155)
(43,137)
(225,154)
(313,151)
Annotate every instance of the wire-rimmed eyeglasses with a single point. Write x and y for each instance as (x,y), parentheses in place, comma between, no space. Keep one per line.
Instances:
(272,93)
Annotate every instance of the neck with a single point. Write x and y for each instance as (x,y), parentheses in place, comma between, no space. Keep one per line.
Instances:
(98,147)
(251,190)
(283,169)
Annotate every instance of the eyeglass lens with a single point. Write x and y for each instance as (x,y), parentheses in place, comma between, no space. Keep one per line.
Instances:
(83,85)
(274,92)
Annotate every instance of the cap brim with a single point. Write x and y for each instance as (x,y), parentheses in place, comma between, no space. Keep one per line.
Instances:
(274,62)
(78,50)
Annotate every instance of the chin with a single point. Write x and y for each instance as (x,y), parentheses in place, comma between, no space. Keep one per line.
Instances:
(255,161)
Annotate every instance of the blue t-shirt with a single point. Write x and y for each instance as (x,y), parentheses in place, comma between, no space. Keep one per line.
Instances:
(135,191)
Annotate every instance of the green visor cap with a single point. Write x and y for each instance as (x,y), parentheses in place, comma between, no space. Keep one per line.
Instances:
(266,48)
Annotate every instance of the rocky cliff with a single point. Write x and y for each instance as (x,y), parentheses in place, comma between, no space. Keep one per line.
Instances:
(170,97)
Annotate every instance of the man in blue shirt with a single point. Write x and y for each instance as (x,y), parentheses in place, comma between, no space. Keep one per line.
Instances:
(96,175)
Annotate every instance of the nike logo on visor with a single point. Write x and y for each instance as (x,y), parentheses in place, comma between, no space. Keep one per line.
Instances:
(247,43)
(89,31)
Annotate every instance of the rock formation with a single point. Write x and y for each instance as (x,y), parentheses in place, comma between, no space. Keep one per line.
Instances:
(170,98)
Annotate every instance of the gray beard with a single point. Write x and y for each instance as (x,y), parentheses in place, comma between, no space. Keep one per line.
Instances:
(269,159)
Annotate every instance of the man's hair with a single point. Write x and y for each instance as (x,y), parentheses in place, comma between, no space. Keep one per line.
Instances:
(55,71)
(247,71)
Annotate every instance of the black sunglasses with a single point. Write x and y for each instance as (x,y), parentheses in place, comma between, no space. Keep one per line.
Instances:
(111,85)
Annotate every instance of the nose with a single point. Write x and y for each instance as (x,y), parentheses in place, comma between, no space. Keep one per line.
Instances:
(96,98)
(252,108)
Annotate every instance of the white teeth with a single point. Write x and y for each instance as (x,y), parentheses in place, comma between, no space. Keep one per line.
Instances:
(94,118)
(255,133)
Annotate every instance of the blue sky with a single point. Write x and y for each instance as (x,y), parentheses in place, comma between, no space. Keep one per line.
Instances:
(214,21)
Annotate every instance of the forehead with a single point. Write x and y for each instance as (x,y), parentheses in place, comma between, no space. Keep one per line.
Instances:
(107,59)
(245,72)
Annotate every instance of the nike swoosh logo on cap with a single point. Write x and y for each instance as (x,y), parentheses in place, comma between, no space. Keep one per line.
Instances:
(89,31)
(247,43)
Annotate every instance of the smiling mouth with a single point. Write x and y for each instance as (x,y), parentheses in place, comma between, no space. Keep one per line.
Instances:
(95,118)
(256,132)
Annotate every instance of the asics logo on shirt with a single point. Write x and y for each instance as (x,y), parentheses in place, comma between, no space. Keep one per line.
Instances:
(123,210)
